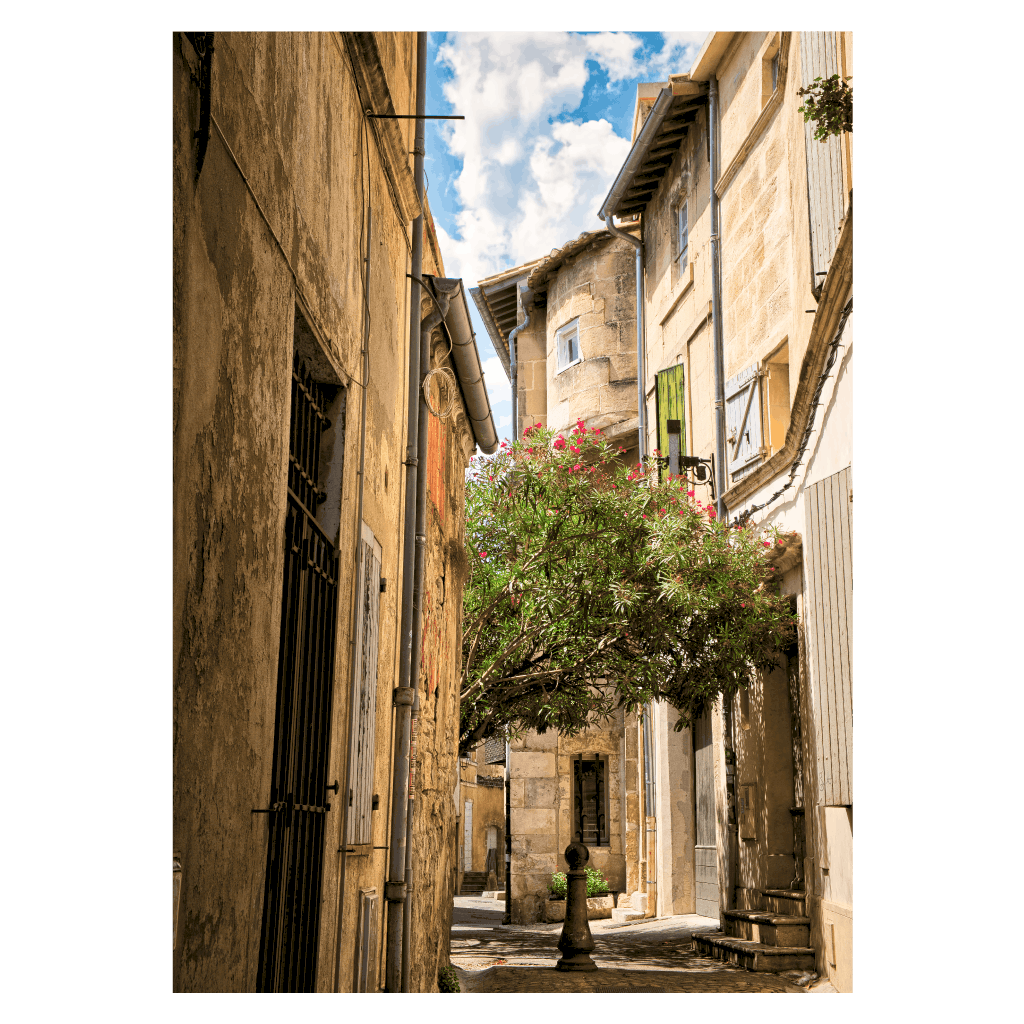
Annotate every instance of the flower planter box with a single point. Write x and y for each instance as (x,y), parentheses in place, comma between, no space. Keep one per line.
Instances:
(597,907)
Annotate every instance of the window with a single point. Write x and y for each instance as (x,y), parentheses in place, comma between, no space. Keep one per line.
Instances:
(770,68)
(567,342)
(682,237)
(590,799)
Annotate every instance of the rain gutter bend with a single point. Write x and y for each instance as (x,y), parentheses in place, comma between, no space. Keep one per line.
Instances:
(466,361)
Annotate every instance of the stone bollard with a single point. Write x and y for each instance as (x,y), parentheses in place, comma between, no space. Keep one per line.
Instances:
(576,942)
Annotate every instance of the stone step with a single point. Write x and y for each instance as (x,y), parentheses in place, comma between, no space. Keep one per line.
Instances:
(620,915)
(785,901)
(765,927)
(753,956)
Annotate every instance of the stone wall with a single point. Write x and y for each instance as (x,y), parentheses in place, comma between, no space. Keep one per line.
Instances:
(598,286)
(541,798)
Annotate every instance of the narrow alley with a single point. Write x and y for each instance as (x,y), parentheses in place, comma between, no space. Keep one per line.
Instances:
(655,955)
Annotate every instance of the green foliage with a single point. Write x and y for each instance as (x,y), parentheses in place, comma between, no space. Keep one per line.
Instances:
(448,980)
(829,105)
(593,586)
(597,884)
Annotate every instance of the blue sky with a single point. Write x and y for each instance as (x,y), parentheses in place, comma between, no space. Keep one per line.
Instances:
(548,121)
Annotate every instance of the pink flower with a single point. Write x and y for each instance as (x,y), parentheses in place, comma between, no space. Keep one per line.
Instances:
(490,478)
(526,432)
(574,449)
(767,543)
(743,604)
(711,512)
(559,443)
(689,494)
(780,543)
(581,425)
(615,485)
(483,554)
(537,426)
(577,466)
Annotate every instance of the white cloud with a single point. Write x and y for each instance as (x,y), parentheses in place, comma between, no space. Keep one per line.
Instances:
(499,391)
(529,182)
(676,55)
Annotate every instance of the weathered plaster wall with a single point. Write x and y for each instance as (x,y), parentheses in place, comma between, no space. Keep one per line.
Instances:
(287,105)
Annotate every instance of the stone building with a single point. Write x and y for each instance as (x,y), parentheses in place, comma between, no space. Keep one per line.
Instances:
(294,225)
(773,771)
(576,359)
(481,822)
(746,227)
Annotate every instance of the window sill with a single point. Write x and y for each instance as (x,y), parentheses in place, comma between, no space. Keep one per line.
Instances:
(569,366)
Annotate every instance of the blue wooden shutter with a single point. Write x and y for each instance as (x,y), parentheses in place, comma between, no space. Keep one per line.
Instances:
(743,421)
(819,55)
(364,694)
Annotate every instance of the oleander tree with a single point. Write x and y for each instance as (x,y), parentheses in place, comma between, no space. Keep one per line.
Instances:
(594,586)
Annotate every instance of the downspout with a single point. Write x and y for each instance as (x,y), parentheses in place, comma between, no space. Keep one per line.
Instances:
(515,373)
(355,611)
(716,300)
(507,918)
(395,888)
(641,368)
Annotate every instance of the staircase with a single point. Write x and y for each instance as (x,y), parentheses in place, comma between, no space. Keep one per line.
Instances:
(473,883)
(774,938)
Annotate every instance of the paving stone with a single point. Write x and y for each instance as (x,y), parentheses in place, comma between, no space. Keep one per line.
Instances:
(655,955)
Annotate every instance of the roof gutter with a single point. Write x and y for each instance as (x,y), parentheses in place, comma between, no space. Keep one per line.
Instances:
(466,359)
(636,155)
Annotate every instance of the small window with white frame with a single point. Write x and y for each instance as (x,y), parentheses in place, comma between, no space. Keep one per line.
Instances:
(567,345)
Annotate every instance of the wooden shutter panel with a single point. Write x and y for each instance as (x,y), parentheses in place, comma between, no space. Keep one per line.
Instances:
(829,613)
(743,421)
(364,693)
(670,405)
(366,966)
(819,55)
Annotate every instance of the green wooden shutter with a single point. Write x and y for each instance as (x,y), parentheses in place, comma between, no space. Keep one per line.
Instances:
(670,405)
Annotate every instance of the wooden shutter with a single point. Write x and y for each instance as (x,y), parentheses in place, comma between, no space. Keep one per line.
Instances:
(364,693)
(829,614)
(705,847)
(670,404)
(743,421)
(467,838)
(366,965)
(819,55)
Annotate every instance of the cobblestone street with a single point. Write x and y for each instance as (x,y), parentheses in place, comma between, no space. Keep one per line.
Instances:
(653,956)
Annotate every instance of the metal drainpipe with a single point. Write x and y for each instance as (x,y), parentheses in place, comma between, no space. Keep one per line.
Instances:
(507,918)
(355,611)
(394,889)
(716,301)
(515,374)
(641,367)
(408,907)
